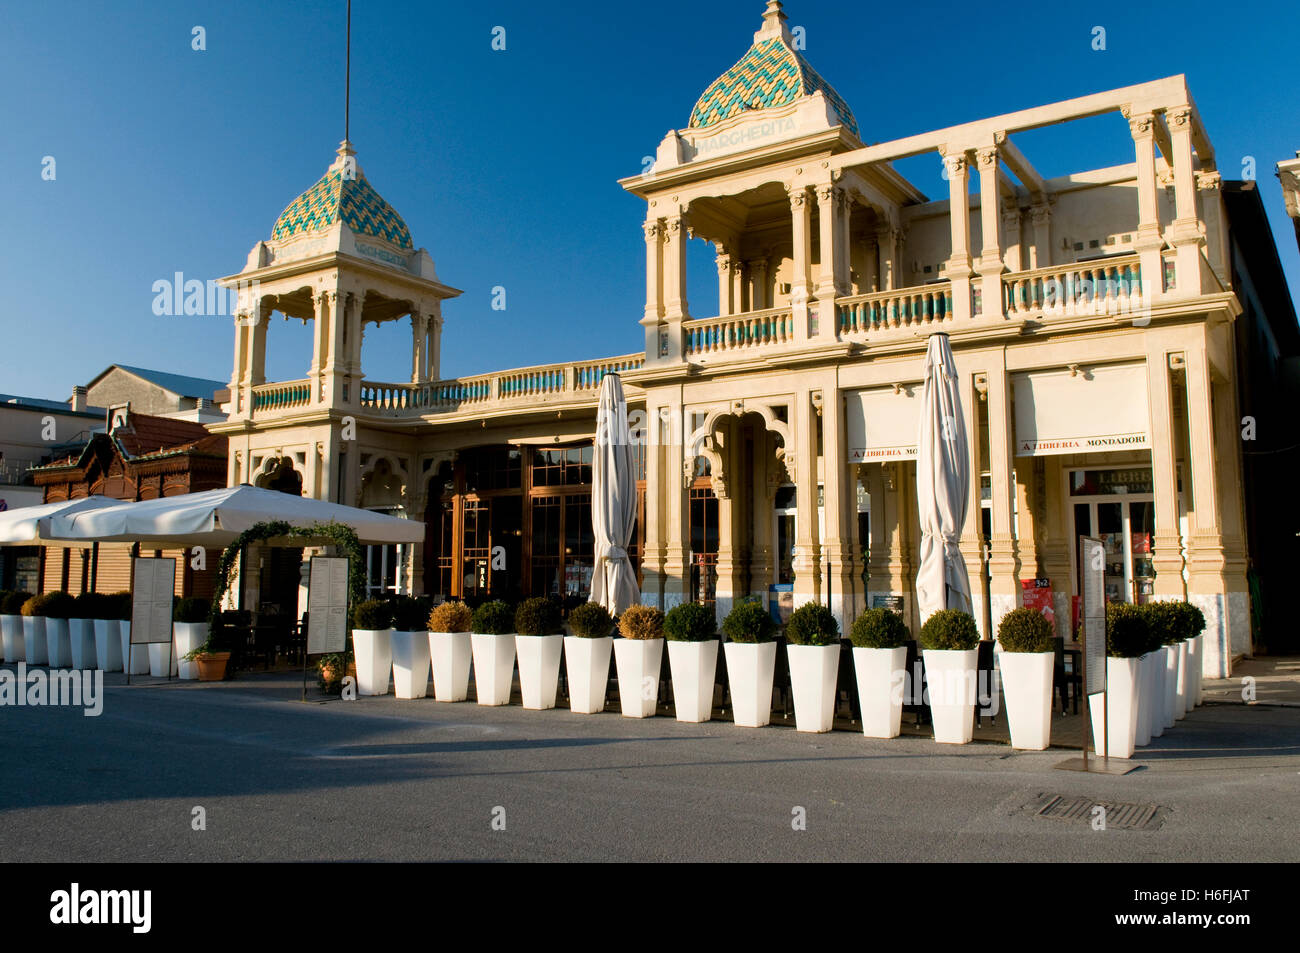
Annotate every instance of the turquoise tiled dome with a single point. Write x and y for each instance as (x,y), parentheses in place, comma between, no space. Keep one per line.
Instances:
(770,74)
(352,200)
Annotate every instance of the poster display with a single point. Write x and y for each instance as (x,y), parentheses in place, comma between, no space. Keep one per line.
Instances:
(153,584)
(1037,594)
(327,605)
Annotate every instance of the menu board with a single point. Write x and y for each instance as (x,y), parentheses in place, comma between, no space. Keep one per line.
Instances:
(1092,609)
(327,605)
(153,583)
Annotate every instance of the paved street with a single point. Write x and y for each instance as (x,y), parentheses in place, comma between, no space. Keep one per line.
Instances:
(418,780)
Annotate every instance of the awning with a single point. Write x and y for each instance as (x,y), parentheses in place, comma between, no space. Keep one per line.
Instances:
(30,525)
(882,425)
(217,517)
(1100,407)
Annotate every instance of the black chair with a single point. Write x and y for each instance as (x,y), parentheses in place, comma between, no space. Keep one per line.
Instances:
(781,676)
(914,696)
(722,681)
(847,684)
(984,682)
(1063,682)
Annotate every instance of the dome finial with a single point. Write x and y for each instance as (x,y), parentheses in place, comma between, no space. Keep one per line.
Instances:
(773,23)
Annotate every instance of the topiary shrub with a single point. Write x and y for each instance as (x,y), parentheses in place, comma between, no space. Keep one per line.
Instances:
(51,605)
(373,615)
(119,606)
(812,624)
(4,597)
(690,622)
(493,618)
(13,604)
(879,629)
(641,622)
(748,622)
(1025,630)
(192,610)
(88,605)
(1128,631)
(1163,621)
(950,630)
(450,616)
(591,620)
(408,615)
(1188,620)
(538,616)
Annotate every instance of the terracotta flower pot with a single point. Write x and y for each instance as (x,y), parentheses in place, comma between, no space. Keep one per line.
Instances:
(212,668)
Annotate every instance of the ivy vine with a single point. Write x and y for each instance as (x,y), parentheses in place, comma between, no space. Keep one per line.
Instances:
(337,534)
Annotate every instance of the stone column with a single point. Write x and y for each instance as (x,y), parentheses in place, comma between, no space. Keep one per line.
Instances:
(677,476)
(1167,554)
(801,219)
(959,262)
(333,310)
(652,549)
(723,260)
(1185,232)
(971,542)
(1004,559)
(807,555)
(255,360)
(433,367)
(758,296)
(1040,252)
(356,331)
(762,490)
(320,343)
(829,266)
(990,263)
(1015,250)
(844,272)
(1148,241)
(238,398)
(676,309)
(738,285)
(841,511)
(654,274)
(886,242)
(729,494)
(419,340)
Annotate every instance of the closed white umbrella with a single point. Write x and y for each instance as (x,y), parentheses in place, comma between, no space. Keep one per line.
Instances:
(29,525)
(613,501)
(217,517)
(942,485)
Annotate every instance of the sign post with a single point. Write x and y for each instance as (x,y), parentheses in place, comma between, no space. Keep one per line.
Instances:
(153,583)
(327,610)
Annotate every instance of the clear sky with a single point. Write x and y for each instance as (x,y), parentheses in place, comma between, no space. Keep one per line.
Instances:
(503,163)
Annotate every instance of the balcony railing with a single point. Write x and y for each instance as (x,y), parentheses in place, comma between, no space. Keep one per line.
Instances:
(281,395)
(1109,286)
(707,338)
(926,305)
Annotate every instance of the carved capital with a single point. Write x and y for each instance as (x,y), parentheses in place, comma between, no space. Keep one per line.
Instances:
(1179,115)
(988,159)
(798,198)
(1140,125)
(828,195)
(955,164)
(652,231)
(1209,181)
(724,263)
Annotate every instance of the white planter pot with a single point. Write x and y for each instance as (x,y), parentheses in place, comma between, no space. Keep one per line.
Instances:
(1169,710)
(373,649)
(134,657)
(1195,659)
(450,654)
(880,690)
(162,656)
(1159,664)
(751,667)
(410,664)
(188,636)
(813,669)
(950,681)
(1027,688)
(34,645)
(108,646)
(58,642)
(638,662)
(11,631)
(539,669)
(587,663)
(81,633)
(1184,680)
(494,667)
(694,668)
(1146,707)
(1123,677)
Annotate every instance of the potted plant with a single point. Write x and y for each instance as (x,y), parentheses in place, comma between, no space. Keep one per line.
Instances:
(209,661)
(751,662)
(410,648)
(81,629)
(372,645)
(190,630)
(586,657)
(539,642)
(879,638)
(330,669)
(1026,662)
(45,629)
(948,641)
(692,633)
(813,649)
(1163,619)
(1128,638)
(135,658)
(449,650)
(1193,625)
(1159,622)
(11,625)
(35,648)
(637,656)
(108,640)
(493,640)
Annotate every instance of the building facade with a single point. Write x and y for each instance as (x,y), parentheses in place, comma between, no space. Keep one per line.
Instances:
(1092,317)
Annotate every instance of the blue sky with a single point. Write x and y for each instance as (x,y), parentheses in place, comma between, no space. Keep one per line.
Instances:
(502,163)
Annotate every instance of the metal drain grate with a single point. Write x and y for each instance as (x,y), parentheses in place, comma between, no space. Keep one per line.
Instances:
(1131,817)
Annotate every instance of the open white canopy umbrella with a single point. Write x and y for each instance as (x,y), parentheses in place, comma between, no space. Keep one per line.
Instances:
(30,525)
(942,485)
(217,517)
(613,501)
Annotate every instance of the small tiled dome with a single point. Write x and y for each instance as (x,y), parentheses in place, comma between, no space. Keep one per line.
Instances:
(771,73)
(343,194)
